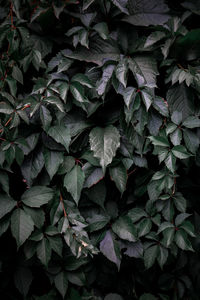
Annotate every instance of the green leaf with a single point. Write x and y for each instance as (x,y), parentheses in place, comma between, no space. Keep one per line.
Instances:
(182,240)
(147,97)
(153,38)
(97,193)
(119,175)
(176,137)
(161,106)
(180,152)
(104,143)
(121,4)
(136,214)
(52,160)
(77,91)
(61,283)
(102,29)
(110,249)
(129,95)
(6,205)
(180,98)
(113,297)
(23,278)
(170,162)
(45,117)
(180,202)
(125,229)
(188,227)
(121,71)
(82,79)
(159,141)
(144,69)
(4,181)
(192,122)
(181,217)
(191,140)
(44,251)
(145,13)
(164,226)
(162,256)
(60,134)
(106,77)
(37,196)
(147,296)
(144,227)
(5,108)
(150,255)
(17,74)
(66,166)
(21,226)
(168,236)
(74,181)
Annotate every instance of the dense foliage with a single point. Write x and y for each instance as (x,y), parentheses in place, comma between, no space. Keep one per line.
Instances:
(99,149)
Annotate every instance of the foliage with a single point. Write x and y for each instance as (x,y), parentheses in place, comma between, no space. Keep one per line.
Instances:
(99,147)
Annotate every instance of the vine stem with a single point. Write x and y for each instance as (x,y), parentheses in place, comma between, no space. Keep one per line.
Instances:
(64,211)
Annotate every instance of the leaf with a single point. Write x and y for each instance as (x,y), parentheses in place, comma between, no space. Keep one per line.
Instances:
(52,160)
(77,91)
(191,140)
(170,162)
(37,196)
(145,13)
(60,134)
(97,193)
(144,227)
(189,228)
(44,251)
(119,175)
(132,249)
(104,143)
(121,4)
(180,202)
(180,152)
(23,278)
(147,98)
(17,74)
(159,141)
(180,98)
(144,69)
(82,79)
(192,122)
(129,94)
(110,249)
(21,226)
(102,29)
(125,229)
(5,108)
(6,205)
(74,181)
(136,214)
(150,255)
(168,236)
(187,47)
(182,240)
(121,71)
(147,296)
(106,77)
(61,283)
(4,181)
(45,117)
(153,38)
(161,106)
(113,297)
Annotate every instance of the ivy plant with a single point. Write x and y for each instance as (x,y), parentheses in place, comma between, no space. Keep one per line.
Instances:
(99,149)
